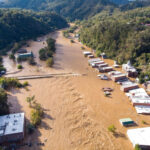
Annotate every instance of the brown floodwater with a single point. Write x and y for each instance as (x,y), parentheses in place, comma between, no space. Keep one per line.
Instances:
(76,112)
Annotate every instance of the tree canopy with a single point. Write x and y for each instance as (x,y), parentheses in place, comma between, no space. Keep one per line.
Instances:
(21,25)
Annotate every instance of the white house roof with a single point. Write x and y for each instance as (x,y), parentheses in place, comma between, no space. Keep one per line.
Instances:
(142,109)
(11,124)
(139,136)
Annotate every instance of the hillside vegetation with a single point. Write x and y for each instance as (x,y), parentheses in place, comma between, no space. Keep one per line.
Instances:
(75,9)
(122,36)
(72,9)
(17,26)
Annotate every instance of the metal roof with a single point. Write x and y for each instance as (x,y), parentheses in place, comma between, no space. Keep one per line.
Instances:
(11,124)
(139,136)
(142,109)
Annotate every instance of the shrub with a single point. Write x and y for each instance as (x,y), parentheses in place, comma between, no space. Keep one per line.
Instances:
(72,41)
(30,100)
(35,117)
(25,84)
(19,66)
(12,56)
(49,62)
(137,147)
(4,107)
(112,128)
(144,122)
(10,83)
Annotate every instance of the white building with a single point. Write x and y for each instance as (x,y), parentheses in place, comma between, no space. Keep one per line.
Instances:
(12,127)
(140,136)
(131,71)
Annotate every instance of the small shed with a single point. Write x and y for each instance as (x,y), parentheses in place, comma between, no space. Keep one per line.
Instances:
(126,121)
(103,55)
(25,55)
(86,53)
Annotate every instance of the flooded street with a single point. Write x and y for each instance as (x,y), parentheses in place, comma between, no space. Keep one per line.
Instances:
(76,112)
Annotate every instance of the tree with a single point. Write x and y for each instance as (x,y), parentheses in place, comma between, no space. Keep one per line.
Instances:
(4,107)
(19,66)
(49,62)
(137,147)
(35,117)
(30,100)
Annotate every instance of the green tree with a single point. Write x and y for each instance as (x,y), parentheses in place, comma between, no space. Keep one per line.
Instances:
(4,107)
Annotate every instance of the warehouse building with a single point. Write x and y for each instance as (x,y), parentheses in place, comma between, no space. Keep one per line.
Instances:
(12,127)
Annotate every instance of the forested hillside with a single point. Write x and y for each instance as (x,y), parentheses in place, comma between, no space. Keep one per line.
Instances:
(72,9)
(17,26)
(122,36)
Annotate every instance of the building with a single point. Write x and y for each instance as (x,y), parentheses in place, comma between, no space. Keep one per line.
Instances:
(130,70)
(117,76)
(105,69)
(126,86)
(25,55)
(140,136)
(12,127)
(93,60)
(86,53)
(126,122)
(142,109)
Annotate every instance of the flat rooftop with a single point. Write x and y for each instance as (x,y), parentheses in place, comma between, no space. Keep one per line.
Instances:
(139,136)
(11,124)
(142,109)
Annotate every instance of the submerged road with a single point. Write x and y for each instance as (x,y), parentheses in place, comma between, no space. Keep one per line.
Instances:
(45,76)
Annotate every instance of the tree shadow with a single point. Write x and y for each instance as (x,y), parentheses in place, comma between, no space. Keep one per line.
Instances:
(119,134)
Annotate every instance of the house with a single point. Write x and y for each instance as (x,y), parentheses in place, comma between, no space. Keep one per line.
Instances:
(140,136)
(90,56)
(140,101)
(119,77)
(102,65)
(142,109)
(95,64)
(126,86)
(130,70)
(12,127)
(93,60)
(105,69)
(25,55)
